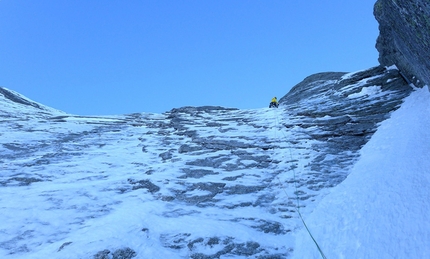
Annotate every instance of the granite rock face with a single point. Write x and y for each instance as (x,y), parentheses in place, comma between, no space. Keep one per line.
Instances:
(404,38)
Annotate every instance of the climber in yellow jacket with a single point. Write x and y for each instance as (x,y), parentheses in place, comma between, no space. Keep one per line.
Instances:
(274,103)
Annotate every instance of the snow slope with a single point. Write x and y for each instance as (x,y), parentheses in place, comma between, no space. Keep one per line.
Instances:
(382,209)
(212,182)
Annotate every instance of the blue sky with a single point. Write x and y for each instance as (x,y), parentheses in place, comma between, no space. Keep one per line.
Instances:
(115,57)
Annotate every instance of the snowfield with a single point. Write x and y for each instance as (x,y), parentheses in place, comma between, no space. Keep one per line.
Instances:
(213,182)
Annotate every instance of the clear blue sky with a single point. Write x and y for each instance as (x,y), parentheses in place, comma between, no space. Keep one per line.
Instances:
(114,57)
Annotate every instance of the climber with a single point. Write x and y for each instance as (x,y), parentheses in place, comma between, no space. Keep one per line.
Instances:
(274,103)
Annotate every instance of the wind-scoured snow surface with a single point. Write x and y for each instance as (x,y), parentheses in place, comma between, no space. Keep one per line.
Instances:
(382,209)
(212,182)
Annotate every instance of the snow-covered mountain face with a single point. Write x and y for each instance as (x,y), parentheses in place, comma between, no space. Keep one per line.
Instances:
(195,182)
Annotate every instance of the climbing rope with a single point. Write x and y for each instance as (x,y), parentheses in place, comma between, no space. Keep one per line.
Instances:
(296,190)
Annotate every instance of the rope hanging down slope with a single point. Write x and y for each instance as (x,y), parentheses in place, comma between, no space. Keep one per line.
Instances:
(296,190)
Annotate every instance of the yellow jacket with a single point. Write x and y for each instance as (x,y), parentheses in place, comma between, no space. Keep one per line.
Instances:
(274,100)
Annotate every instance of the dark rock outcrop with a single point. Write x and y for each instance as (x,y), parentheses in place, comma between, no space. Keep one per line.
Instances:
(125,253)
(404,38)
(341,111)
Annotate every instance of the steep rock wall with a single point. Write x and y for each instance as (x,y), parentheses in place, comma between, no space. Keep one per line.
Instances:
(404,38)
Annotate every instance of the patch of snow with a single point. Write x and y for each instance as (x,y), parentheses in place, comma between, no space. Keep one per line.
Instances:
(392,67)
(366,91)
(351,74)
